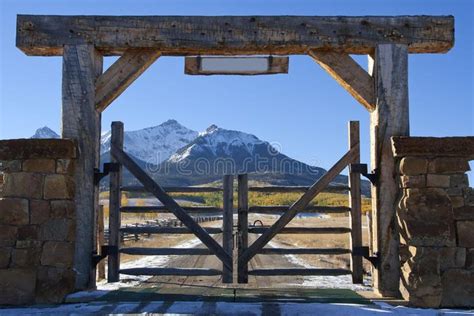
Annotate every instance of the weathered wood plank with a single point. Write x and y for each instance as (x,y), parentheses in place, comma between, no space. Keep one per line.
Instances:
(300,189)
(121,75)
(355,205)
(82,64)
(227,226)
(299,205)
(115,198)
(349,75)
(171,204)
(100,242)
(276,272)
(390,118)
(277,209)
(139,188)
(304,251)
(165,251)
(166,230)
(302,230)
(231,35)
(164,209)
(243,222)
(170,271)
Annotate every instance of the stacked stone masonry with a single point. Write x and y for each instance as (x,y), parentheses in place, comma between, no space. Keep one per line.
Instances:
(435,217)
(37,220)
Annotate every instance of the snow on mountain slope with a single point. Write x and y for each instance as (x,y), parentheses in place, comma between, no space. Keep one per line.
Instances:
(153,144)
(45,132)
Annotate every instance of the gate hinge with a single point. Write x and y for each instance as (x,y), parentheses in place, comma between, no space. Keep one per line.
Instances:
(105,250)
(364,252)
(108,167)
(362,169)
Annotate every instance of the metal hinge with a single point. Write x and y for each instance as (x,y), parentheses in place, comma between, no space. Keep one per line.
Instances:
(364,252)
(105,250)
(108,167)
(362,169)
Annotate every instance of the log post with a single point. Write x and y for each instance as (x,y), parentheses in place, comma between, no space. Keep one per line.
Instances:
(243,208)
(100,242)
(355,205)
(389,66)
(227,223)
(82,65)
(115,197)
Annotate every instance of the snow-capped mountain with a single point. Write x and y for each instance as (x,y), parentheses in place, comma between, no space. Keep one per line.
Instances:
(45,132)
(153,144)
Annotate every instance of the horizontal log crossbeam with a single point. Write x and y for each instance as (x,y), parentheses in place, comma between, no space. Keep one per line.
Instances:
(46,35)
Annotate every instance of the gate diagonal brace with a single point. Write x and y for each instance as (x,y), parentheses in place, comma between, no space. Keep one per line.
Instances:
(108,168)
(105,250)
(364,252)
(362,169)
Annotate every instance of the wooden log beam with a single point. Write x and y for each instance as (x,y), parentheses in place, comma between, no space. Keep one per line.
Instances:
(46,35)
(171,271)
(296,271)
(121,75)
(304,251)
(349,75)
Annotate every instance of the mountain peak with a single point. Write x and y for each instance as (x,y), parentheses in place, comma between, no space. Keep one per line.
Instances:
(45,132)
(212,128)
(170,122)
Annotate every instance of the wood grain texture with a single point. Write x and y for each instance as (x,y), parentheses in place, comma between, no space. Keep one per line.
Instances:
(302,189)
(231,35)
(165,251)
(355,203)
(296,271)
(278,209)
(82,64)
(140,188)
(243,222)
(349,75)
(390,118)
(304,251)
(121,74)
(302,230)
(100,242)
(170,271)
(228,226)
(163,209)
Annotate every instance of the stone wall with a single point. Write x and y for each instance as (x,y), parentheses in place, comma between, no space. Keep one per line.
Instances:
(436,220)
(37,220)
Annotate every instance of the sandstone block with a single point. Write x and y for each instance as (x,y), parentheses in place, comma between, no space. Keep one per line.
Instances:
(465,230)
(451,257)
(5,255)
(8,235)
(58,186)
(54,284)
(39,165)
(63,209)
(21,244)
(464,213)
(23,184)
(448,165)
(458,288)
(457,201)
(57,254)
(37,148)
(459,181)
(468,194)
(14,211)
(59,229)
(39,211)
(65,166)
(17,286)
(412,166)
(10,165)
(413,181)
(26,258)
(438,181)
(28,232)
(470,258)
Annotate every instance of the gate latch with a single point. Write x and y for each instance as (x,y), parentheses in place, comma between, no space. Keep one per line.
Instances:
(105,250)
(108,167)
(364,252)
(362,169)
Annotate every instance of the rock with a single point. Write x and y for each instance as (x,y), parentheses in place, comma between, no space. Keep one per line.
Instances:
(413,181)
(451,257)
(27,257)
(5,255)
(464,213)
(14,211)
(54,284)
(465,231)
(58,186)
(448,165)
(23,184)
(37,148)
(21,244)
(438,181)
(459,181)
(10,166)
(63,209)
(470,258)
(28,232)
(412,166)
(17,286)
(8,235)
(57,254)
(59,229)
(468,194)
(65,166)
(40,211)
(457,201)
(39,165)
(458,288)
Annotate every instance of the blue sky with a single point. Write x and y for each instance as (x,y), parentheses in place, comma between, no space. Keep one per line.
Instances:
(305,111)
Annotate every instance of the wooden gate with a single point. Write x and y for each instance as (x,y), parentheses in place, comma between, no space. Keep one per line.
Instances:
(223,252)
(246,252)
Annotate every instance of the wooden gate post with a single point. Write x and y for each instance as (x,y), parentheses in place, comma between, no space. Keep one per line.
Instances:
(228,225)
(114,206)
(100,241)
(355,205)
(242,223)
(390,118)
(82,65)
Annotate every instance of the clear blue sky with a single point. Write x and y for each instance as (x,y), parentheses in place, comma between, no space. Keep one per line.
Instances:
(306,111)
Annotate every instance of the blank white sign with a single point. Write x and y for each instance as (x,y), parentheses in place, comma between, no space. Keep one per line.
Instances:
(234,64)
